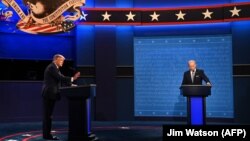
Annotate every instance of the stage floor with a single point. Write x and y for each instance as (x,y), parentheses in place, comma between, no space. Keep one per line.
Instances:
(105,131)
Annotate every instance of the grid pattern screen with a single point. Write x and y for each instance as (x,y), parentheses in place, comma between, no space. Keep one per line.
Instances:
(159,64)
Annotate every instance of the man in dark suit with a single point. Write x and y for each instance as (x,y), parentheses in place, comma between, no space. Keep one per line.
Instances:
(50,92)
(194,76)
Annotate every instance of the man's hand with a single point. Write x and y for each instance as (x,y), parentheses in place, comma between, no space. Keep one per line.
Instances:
(76,75)
(209,84)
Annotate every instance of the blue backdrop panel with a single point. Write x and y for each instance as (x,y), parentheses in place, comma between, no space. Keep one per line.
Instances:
(159,65)
(26,46)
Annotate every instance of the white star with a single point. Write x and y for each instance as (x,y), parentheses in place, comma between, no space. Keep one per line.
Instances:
(154,16)
(207,14)
(83,16)
(235,12)
(106,16)
(180,15)
(130,16)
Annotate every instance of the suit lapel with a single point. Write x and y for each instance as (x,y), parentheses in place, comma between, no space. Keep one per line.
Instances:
(196,73)
(189,76)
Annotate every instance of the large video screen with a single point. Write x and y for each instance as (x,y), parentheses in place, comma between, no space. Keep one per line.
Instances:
(159,64)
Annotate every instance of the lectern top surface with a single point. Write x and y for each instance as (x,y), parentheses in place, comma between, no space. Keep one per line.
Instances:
(197,85)
(79,86)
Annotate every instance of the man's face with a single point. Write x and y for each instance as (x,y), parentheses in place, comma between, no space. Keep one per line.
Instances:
(192,66)
(59,61)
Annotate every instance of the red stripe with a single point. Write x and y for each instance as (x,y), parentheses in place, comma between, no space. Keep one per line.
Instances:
(32,26)
(50,30)
(32,137)
(236,19)
(152,9)
(39,135)
(41,28)
(112,9)
(20,23)
(27,27)
(108,23)
(28,132)
(17,134)
(167,8)
(182,8)
(237,4)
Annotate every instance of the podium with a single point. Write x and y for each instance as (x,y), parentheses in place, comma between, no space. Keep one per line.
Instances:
(196,102)
(80,111)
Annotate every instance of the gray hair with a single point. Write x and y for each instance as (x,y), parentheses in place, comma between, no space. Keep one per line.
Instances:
(58,56)
(191,61)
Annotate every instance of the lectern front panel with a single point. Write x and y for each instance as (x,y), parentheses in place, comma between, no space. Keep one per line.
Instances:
(196,110)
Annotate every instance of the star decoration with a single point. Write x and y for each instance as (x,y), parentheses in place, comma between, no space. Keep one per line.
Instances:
(180,15)
(83,16)
(106,16)
(67,25)
(207,14)
(130,16)
(154,16)
(235,12)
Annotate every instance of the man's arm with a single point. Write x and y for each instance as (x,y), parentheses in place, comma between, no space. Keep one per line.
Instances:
(205,78)
(184,80)
(56,74)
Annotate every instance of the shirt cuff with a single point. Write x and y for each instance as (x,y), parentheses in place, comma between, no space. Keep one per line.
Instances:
(72,79)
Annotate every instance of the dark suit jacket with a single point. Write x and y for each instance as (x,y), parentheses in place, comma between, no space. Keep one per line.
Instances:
(199,76)
(52,82)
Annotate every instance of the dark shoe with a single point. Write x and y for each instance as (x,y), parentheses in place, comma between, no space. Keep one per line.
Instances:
(51,138)
(92,137)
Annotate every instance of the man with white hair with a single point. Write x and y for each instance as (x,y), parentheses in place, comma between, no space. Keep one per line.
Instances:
(50,92)
(194,76)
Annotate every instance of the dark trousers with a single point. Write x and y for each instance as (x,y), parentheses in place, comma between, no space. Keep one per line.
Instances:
(48,107)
